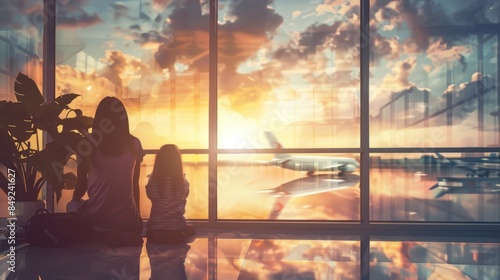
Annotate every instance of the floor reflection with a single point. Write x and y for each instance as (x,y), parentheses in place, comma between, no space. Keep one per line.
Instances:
(167,261)
(240,255)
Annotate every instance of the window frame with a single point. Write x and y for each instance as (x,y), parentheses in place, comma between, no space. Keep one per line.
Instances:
(365,223)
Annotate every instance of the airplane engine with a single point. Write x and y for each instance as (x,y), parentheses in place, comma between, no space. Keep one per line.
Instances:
(350,168)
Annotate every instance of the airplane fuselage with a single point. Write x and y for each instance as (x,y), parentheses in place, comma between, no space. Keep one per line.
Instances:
(474,166)
(317,163)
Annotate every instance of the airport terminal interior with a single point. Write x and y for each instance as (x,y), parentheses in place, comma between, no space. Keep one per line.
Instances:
(322,139)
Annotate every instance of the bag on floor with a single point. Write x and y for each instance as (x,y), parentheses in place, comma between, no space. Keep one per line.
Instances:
(58,229)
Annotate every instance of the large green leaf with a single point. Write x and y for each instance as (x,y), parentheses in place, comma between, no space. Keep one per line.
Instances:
(79,123)
(49,118)
(19,123)
(51,169)
(4,105)
(70,181)
(5,109)
(60,151)
(60,103)
(4,183)
(29,95)
(8,150)
(23,119)
(70,139)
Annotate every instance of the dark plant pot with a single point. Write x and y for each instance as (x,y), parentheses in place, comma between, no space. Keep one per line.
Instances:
(26,209)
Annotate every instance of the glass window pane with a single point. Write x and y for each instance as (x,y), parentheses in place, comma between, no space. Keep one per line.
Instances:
(427,187)
(289,67)
(153,56)
(288,259)
(433,260)
(443,62)
(196,170)
(21,29)
(304,187)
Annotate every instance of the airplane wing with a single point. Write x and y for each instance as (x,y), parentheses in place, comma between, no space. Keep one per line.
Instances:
(279,203)
(466,185)
(333,167)
(466,190)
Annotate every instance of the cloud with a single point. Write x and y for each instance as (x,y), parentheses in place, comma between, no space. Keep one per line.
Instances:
(120,65)
(71,15)
(119,10)
(474,13)
(81,20)
(399,78)
(296,14)
(160,5)
(342,37)
(337,7)
(246,12)
(440,52)
(183,37)
(395,83)
(243,36)
(17,15)
(419,15)
(322,9)
(22,14)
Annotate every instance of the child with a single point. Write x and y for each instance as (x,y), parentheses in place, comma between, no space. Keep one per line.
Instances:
(168,189)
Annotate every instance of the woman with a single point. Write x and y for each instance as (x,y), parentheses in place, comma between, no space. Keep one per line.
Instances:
(168,190)
(108,171)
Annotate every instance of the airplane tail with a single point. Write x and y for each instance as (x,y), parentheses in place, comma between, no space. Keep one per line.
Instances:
(440,156)
(275,144)
(444,159)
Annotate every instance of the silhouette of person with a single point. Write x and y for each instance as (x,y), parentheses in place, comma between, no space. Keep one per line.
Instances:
(167,260)
(168,190)
(108,170)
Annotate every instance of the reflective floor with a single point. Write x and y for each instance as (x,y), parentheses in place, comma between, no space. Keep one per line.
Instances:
(250,255)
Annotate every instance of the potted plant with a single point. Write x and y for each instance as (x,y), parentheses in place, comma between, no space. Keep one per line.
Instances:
(22,152)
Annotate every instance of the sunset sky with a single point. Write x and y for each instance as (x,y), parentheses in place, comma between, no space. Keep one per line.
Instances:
(287,66)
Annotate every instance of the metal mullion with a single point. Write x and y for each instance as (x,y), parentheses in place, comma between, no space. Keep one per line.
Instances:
(365,256)
(291,150)
(212,256)
(212,115)
(433,150)
(425,228)
(364,111)
(183,151)
(49,72)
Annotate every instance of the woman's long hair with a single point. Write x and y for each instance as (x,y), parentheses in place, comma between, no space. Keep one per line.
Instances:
(110,129)
(168,164)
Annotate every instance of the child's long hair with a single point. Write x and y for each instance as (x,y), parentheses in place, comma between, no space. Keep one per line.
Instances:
(168,164)
(111,127)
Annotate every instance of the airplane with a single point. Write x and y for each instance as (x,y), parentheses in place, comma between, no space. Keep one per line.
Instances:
(475,166)
(309,185)
(470,185)
(310,164)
